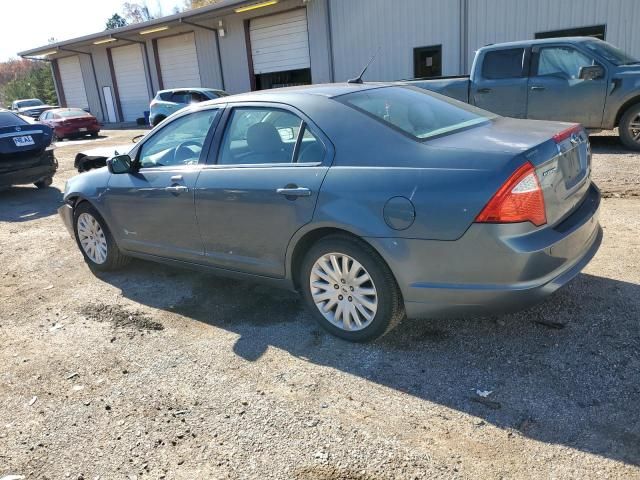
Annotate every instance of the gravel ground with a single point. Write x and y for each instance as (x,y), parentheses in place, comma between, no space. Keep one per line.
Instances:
(155,372)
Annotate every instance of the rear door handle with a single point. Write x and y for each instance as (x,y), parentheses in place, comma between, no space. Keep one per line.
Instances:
(537,87)
(177,189)
(484,90)
(294,192)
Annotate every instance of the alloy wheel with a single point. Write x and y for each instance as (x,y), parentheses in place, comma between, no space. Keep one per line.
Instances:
(634,128)
(92,238)
(343,291)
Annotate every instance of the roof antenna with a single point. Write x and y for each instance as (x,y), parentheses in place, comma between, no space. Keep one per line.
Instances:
(358,79)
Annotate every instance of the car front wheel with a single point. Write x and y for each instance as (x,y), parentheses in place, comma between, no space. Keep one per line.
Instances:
(350,289)
(95,240)
(630,127)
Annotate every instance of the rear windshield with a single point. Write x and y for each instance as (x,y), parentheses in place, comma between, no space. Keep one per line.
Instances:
(8,119)
(416,112)
(72,112)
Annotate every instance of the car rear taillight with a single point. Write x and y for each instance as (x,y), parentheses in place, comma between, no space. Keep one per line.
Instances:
(520,199)
(566,133)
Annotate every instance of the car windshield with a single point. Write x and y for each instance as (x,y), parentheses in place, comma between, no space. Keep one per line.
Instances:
(611,53)
(72,112)
(29,103)
(415,111)
(9,120)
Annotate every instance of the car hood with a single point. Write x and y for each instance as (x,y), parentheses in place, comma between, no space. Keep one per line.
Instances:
(110,151)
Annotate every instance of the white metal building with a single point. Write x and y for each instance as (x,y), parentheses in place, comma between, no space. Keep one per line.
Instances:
(240,45)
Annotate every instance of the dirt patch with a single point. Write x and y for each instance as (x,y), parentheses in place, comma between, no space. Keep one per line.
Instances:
(120,317)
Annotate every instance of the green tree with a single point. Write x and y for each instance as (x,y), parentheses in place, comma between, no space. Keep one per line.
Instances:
(37,83)
(116,21)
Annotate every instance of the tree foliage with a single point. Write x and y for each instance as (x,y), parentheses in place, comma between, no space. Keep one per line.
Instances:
(26,79)
(191,4)
(116,21)
(136,12)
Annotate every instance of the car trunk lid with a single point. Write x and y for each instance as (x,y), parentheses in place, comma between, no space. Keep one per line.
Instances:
(565,177)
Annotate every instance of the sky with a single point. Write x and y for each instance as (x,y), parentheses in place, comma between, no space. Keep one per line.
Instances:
(30,23)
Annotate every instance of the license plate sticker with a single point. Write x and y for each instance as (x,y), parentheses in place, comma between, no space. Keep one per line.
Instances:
(23,141)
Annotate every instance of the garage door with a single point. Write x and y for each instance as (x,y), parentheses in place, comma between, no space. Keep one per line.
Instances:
(179,61)
(128,67)
(72,82)
(280,42)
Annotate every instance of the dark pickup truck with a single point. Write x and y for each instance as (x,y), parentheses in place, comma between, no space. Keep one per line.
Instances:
(575,79)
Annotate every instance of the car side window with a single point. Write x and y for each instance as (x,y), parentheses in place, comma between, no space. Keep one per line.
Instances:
(256,135)
(499,64)
(562,61)
(197,97)
(179,142)
(181,97)
(311,149)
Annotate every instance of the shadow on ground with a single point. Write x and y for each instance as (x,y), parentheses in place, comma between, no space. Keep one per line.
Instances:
(26,203)
(608,144)
(565,372)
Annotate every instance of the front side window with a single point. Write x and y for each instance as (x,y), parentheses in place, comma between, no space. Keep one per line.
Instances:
(416,112)
(500,64)
(178,143)
(562,61)
(258,135)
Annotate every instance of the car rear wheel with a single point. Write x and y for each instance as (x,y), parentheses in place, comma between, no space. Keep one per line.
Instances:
(350,290)
(44,183)
(630,127)
(95,240)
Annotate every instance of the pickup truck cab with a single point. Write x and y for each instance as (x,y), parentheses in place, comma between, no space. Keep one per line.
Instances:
(573,79)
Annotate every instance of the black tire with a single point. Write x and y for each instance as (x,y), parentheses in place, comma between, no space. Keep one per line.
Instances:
(390,310)
(114,258)
(94,134)
(44,183)
(630,136)
(157,120)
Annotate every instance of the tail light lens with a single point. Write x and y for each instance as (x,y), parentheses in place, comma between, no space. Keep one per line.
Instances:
(566,133)
(520,199)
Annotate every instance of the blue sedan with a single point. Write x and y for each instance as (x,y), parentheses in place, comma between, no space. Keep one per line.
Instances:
(374,201)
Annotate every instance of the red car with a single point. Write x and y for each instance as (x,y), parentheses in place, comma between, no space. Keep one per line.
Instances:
(70,122)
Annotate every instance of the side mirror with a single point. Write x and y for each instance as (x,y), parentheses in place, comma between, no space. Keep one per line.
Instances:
(592,72)
(120,164)
(137,138)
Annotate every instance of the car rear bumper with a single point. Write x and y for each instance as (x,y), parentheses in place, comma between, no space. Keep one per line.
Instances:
(492,269)
(76,130)
(46,167)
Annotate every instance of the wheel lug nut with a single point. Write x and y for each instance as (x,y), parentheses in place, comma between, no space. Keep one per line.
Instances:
(343,281)
(340,297)
(350,299)
(336,286)
(351,288)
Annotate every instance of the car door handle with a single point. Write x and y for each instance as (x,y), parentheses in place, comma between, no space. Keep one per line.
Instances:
(294,192)
(176,178)
(177,189)
(484,90)
(537,87)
